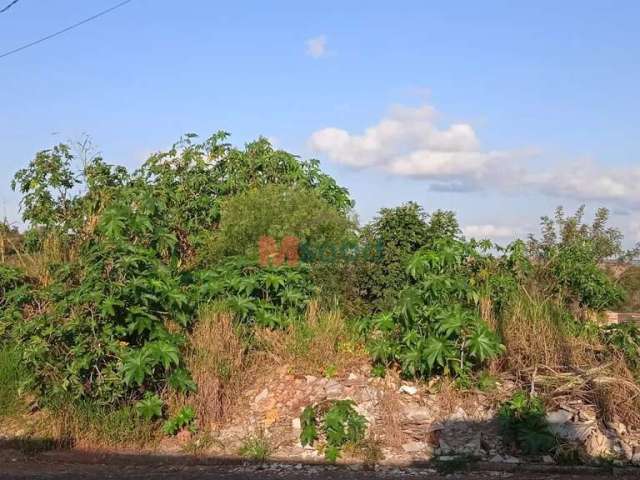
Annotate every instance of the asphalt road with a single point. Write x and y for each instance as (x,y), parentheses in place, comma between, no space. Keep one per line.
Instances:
(72,464)
(62,470)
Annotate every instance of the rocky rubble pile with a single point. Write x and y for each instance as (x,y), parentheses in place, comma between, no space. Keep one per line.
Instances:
(577,424)
(409,422)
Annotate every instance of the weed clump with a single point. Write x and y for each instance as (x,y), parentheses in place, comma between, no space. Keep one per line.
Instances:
(337,422)
(256,448)
(523,422)
(12,376)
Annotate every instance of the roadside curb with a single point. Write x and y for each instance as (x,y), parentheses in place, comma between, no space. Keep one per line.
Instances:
(82,457)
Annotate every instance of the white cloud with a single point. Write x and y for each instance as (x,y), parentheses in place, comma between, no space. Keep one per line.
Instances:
(588,181)
(317,46)
(635,230)
(409,142)
(489,231)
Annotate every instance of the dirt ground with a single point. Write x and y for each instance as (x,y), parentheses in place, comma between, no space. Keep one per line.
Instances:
(72,465)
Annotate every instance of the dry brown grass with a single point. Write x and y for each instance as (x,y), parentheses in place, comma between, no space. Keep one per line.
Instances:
(617,394)
(91,427)
(487,313)
(389,425)
(320,343)
(531,331)
(220,365)
(545,357)
(36,265)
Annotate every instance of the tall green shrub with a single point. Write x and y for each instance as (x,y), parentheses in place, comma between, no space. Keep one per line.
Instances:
(392,237)
(436,327)
(278,211)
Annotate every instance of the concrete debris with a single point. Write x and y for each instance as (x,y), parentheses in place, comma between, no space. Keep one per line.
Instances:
(408,421)
(408,389)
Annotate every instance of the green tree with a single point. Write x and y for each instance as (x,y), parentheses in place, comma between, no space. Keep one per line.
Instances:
(568,258)
(278,211)
(46,185)
(394,235)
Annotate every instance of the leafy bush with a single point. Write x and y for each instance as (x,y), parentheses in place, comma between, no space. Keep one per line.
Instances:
(523,421)
(324,237)
(574,268)
(568,258)
(391,239)
(561,232)
(436,326)
(279,211)
(110,323)
(268,296)
(150,407)
(337,422)
(185,418)
(256,448)
(630,282)
(15,291)
(394,235)
(625,338)
(12,378)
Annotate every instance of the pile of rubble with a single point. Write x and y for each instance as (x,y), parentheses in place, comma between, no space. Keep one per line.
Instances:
(409,422)
(577,424)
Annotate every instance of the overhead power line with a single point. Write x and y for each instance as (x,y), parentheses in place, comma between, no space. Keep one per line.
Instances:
(60,32)
(9,6)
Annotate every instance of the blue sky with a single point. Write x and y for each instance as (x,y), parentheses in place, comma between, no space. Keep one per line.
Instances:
(511,107)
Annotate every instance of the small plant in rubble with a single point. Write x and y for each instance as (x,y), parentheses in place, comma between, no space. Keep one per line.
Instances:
(523,422)
(337,423)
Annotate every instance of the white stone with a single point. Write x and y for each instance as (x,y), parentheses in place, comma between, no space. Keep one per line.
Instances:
(559,417)
(619,428)
(598,444)
(417,414)
(627,450)
(413,447)
(458,416)
(574,431)
(295,424)
(261,396)
(408,389)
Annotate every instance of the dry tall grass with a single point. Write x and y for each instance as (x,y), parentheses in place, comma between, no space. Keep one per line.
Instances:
(36,265)
(219,363)
(321,342)
(531,329)
(546,356)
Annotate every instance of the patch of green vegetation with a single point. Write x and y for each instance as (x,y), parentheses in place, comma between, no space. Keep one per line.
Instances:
(435,327)
(256,448)
(630,282)
(625,339)
(121,262)
(337,422)
(486,382)
(12,377)
(185,418)
(104,424)
(523,422)
(454,464)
